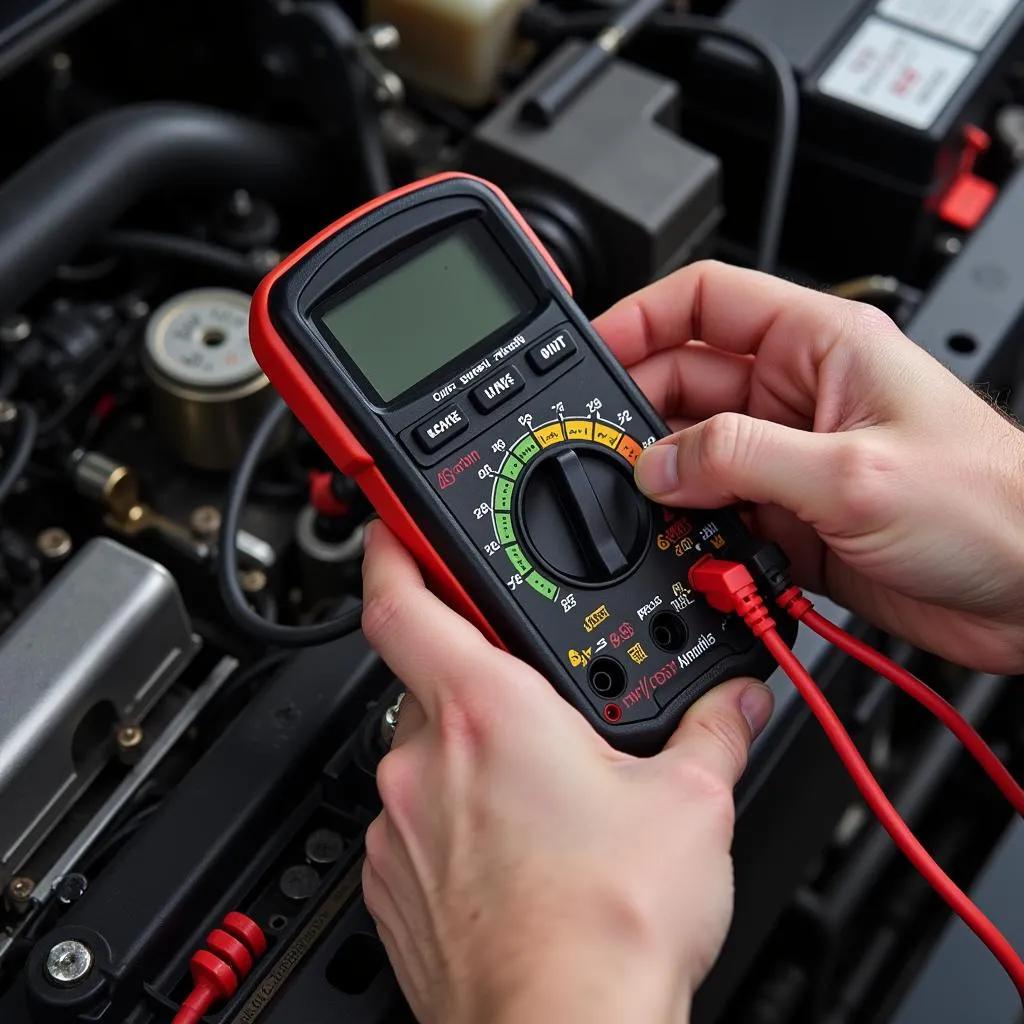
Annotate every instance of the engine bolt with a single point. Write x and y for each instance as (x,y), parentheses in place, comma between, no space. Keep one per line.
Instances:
(69,962)
(19,891)
(14,329)
(8,412)
(205,521)
(129,742)
(254,581)
(54,543)
(21,888)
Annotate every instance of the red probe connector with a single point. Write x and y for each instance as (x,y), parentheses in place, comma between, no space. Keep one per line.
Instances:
(232,951)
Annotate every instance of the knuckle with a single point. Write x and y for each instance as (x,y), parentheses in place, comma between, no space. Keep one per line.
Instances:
(864,478)
(395,778)
(712,793)
(382,615)
(865,322)
(724,439)
(732,738)
(464,720)
(375,844)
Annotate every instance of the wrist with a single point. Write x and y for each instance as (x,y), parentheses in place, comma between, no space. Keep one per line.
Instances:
(580,984)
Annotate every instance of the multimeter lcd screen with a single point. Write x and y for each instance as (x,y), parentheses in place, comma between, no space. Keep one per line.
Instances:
(432,307)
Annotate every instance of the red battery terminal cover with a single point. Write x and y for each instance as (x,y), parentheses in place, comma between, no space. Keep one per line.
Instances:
(969,197)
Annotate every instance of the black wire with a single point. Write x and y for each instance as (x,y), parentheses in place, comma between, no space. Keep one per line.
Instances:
(252,673)
(187,250)
(238,608)
(787,125)
(20,450)
(787,114)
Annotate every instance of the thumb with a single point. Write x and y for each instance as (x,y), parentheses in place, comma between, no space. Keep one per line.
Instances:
(731,457)
(716,733)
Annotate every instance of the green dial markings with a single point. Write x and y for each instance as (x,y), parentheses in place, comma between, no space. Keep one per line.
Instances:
(511,467)
(503,528)
(526,448)
(543,586)
(518,559)
(503,495)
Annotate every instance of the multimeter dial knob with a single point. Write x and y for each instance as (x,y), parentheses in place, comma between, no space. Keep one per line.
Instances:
(582,516)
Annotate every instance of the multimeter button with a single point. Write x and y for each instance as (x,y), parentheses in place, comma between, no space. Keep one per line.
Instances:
(445,424)
(551,351)
(498,389)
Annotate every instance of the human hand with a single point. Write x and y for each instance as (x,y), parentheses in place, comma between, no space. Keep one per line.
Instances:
(522,870)
(892,487)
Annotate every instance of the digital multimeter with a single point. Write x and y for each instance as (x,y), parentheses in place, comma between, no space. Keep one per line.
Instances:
(432,348)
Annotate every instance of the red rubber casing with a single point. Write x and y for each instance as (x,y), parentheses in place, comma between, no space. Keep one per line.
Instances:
(323,423)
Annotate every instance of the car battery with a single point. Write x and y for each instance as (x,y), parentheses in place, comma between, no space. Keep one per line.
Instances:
(895,95)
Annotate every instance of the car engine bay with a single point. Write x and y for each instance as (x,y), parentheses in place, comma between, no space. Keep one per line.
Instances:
(160,766)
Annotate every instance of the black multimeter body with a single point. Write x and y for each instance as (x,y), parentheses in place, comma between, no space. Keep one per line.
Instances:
(433,350)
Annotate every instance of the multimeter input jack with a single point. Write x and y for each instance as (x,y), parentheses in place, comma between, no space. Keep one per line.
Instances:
(607,678)
(668,632)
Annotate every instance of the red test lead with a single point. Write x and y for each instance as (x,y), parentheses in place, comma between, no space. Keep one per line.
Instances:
(232,951)
(729,586)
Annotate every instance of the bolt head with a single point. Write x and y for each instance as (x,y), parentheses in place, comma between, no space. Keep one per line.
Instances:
(8,411)
(129,737)
(69,962)
(54,543)
(254,581)
(205,521)
(21,888)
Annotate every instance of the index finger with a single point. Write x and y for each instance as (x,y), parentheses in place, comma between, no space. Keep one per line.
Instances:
(729,308)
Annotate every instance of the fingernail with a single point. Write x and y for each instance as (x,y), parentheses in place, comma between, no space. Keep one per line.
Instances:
(368,528)
(657,469)
(756,704)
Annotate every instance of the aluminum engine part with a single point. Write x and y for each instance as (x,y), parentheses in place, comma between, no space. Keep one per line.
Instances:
(96,650)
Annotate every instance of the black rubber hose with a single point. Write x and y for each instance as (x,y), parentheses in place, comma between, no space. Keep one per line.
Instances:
(20,450)
(274,634)
(82,183)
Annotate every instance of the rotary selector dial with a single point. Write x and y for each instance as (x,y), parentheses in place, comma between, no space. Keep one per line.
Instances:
(582,516)
(565,508)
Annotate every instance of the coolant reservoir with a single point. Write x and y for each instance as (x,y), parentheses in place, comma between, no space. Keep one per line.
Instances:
(453,48)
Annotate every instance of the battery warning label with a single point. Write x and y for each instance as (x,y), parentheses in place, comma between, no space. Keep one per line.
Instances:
(897,73)
(971,23)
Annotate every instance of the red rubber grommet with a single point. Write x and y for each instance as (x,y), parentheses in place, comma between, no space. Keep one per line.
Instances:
(210,969)
(246,930)
(228,948)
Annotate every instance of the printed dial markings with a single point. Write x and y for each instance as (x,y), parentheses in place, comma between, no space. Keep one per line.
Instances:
(517,455)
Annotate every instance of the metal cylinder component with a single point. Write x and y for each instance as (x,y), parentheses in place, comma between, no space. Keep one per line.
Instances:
(19,892)
(68,962)
(326,566)
(205,522)
(324,846)
(208,391)
(129,743)
(299,882)
(107,481)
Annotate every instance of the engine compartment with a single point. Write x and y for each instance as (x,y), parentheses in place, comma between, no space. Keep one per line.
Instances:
(161,767)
